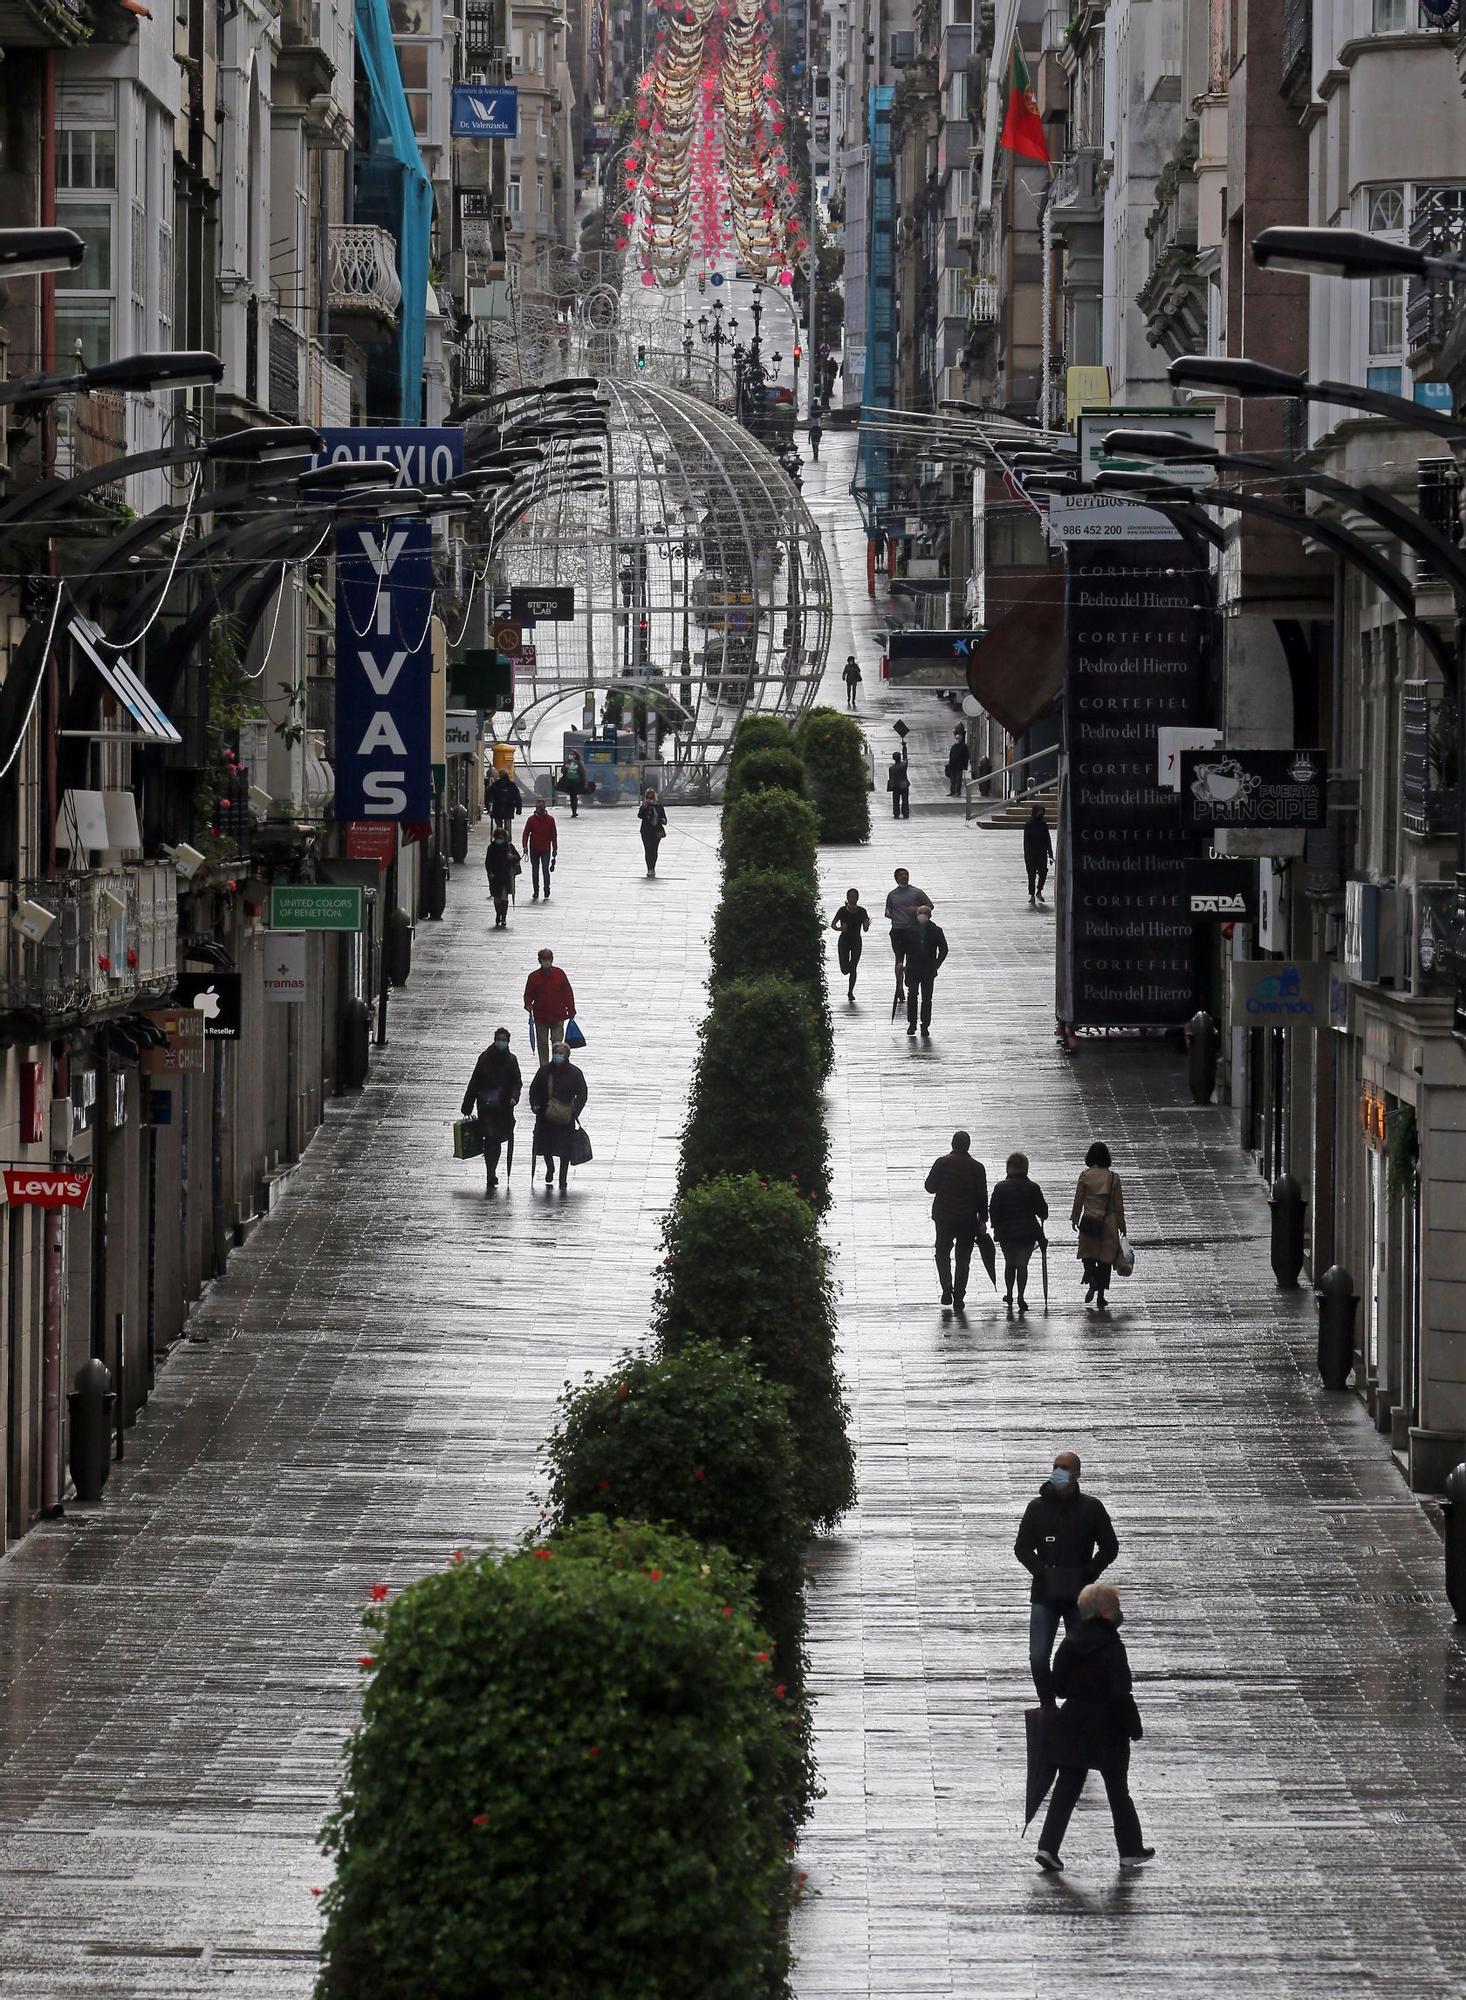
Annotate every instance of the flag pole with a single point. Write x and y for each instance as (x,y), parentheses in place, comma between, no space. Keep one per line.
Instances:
(1005,26)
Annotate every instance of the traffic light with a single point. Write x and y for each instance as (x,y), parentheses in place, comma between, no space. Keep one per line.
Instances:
(641,354)
(798,354)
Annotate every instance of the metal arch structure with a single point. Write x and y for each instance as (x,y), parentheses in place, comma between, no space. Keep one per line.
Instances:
(700,580)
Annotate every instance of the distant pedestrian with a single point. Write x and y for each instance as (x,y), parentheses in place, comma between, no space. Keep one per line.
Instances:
(1017,1213)
(1038,852)
(549,1003)
(1065,1540)
(1094,1729)
(503,801)
(557,1096)
(502,866)
(1099,1217)
(985,775)
(573,782)
(816,432)
(542,845)
(958,1187)
(926,954)
(902,904)
(653,816)
(493,1091)
(957,760)
(898,784)
(852,677)
(852,922)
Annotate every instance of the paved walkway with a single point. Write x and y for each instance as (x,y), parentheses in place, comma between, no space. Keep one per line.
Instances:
(375,1374)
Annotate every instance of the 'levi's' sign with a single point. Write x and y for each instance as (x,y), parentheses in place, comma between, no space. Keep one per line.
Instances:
(41,1187)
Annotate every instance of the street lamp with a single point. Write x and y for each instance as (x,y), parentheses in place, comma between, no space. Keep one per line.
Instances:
(26,252)
(185,369)
(1348,253)
(1234,375)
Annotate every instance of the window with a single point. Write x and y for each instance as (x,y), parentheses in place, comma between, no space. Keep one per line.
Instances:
(86,201)
(412,60)
(1386,209)
(512,196)
(539,195)
(1392,17)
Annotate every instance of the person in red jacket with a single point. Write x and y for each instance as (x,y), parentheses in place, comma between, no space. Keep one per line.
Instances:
(542,844)
(549,1003)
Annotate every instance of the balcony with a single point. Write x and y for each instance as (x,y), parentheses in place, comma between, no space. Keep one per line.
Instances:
(984,301)
(91,431)
(288,370)
(304,56)
(1430,776)
(1077,194)
(1438,497)
(1438,228)
(43,24)
(114,942)
(1295,53)
(365,288)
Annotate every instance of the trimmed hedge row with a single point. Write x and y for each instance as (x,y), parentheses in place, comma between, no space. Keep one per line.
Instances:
(770,829)
(832,750)
(768,926)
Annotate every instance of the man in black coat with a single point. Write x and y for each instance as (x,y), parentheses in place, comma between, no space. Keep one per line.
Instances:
(959,1190)
(493,1091)
(1094,1729)
(503,801)
(1038,852)
(1065,1541)
(926,952)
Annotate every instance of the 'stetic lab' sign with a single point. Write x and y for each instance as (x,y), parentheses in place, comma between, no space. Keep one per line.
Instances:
(1261,788)
(48,1187)
(384,659)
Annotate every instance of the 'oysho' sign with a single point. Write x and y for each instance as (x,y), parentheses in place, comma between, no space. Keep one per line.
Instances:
(47,1187)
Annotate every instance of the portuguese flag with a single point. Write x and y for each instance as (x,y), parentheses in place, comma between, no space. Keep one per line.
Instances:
(1023,130)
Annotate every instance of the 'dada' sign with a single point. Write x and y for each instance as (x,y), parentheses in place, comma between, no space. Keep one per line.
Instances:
(384,609)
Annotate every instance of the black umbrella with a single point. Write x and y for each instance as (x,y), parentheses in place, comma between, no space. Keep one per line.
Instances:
(1043,1254)
(988,1255)
(1042,1770)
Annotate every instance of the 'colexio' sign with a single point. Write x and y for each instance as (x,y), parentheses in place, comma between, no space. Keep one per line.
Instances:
(43,1187)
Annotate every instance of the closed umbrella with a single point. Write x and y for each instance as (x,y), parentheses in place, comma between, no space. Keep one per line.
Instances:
(988,1255)
(1042,1770)
(1043,1256)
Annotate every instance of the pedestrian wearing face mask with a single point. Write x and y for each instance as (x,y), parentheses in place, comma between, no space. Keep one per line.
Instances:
(1094,1729)
(557,1096)
(653,816)
(549,1003)
(493,1091)
(501,865)
(1065,1541)
(926,953)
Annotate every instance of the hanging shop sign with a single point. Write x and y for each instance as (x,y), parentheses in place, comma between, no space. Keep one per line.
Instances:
(542,606)
(1137,637)
(1222,890)
(1280,993)
(372,840)
(384,616)
(482,112)
(930,659)
(48,1187)
(1374,1118)
(316,906)
(184,1051)
(286,962)
(217,998)
(1257,788)
(461,732)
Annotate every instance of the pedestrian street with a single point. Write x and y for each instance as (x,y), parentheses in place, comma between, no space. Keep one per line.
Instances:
(366,1390)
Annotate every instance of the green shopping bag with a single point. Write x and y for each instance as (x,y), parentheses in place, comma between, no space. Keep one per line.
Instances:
(468,1140)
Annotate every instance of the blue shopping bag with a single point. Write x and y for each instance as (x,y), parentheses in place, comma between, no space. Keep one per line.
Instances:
(574,1039)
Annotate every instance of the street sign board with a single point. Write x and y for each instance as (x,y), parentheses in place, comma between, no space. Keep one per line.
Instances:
(481,111)
(508,637)
(183,1054)
(1198,424)
(542,605)
(1280,992)
(1253,788)
(930,659)
(48,1187)
(460,731)
(316,906)
(1224,890)
(286,961)
(217,998)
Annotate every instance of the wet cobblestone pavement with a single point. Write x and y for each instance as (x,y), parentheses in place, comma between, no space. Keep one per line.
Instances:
(370,1383)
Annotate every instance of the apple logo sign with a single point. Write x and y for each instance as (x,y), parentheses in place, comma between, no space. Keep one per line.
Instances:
(207,1003)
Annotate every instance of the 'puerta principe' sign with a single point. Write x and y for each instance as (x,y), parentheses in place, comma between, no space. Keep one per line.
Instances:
(1261,788)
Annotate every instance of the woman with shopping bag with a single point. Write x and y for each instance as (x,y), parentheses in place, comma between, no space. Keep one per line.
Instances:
(493,1091)
(1099,1217)
(653,816)
(557,1097)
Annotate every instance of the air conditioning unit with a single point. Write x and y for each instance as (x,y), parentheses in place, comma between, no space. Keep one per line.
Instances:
(903,49)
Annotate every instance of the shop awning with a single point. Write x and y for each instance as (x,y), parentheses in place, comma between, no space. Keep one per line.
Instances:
(1017,666)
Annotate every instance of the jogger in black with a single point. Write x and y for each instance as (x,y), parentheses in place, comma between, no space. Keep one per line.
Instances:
(852,922)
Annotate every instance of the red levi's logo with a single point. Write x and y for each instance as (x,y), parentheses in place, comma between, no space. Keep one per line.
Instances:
(36,1187)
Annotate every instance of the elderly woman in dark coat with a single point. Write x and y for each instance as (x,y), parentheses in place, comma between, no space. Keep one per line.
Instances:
(1017,1213)
(492,1093)
(1099,1216)
(557,1097)
(1094,1729)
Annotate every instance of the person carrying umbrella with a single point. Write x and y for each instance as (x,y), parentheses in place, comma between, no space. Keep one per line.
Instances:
(557,1096)
(1065,1540)
(501,865)
(1017,1212)
(902,904)
(898,784)
(959,1190)
(549,1003)
(493,1091)
(926,954)
(1094,1729)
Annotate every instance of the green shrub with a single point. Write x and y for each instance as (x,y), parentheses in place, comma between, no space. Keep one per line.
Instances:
(765,770)
(759,732)
(769,925)
(755,1104)
(743,1264)
(770,829)
(565,1784)
(699,1441)
(836,773)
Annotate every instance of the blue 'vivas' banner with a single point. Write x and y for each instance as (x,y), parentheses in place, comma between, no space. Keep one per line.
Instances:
(384,606)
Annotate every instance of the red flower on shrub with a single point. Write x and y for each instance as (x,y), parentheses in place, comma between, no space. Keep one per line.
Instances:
(457,1556)
(544,1555)
(367,1660)
(698,1474)
(594,1750)
(315,1892)
(480,1819)
(622,1390)
(605,1486)
(780,1691)
(655,1575)
(379,1591)
(764,1657)
(727,1610)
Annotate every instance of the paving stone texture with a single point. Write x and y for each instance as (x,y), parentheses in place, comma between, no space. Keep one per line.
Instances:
(368,1387)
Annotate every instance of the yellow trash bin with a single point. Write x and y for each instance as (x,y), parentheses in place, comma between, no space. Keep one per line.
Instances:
(504,758)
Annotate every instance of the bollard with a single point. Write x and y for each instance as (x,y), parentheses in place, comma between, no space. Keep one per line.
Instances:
(1201,1056)
(458,833)
(1337,1299)
(1454,1510)
(435,888)
(355,1044)
(397,945)
(90,1404)
(1288,1207)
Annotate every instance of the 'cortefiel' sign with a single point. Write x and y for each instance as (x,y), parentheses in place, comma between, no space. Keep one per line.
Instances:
(42,1187)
